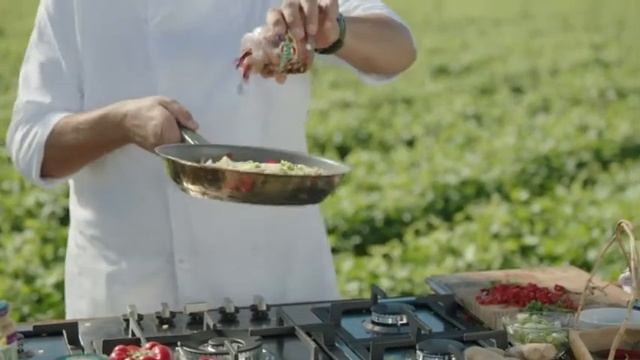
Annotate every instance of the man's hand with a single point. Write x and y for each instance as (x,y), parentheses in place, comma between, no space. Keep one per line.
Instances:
(315,20)
(153,121)
(373,44)
(81,138)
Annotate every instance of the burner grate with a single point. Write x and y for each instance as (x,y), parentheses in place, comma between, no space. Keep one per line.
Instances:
(411,320)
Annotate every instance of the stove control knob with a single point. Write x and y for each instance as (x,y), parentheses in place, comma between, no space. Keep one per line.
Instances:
(132,313)
(228,312)
(259,309)
(196,311)
(165,316)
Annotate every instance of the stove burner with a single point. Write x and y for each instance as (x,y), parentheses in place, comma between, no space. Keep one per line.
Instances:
(222,348)
(390,314)
(388,318)
(221,345)
(384,329)
(439,349)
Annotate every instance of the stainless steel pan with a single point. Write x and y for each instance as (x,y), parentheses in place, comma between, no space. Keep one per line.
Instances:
(184,166)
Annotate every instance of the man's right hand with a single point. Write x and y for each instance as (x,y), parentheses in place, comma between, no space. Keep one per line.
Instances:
(153,121)
(80,138)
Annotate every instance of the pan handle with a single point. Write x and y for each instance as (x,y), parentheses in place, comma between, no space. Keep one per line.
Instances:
(192,137)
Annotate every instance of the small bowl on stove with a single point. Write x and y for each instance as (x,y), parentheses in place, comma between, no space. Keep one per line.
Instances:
(440,349)
(539,327)
(223,348)
(608,316)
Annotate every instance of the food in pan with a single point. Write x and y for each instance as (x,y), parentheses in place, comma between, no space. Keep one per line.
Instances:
(271,167)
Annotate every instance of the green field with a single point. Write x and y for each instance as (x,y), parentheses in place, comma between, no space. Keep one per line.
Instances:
(513,141)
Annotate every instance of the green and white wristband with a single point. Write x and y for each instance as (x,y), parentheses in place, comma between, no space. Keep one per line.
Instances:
(339,43)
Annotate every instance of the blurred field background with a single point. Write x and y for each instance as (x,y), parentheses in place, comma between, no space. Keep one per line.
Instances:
(513,141)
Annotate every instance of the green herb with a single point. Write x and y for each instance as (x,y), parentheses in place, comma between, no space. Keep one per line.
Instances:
(491,152)
(538,307)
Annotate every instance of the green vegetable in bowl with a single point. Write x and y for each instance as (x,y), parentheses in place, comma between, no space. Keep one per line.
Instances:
(529,328)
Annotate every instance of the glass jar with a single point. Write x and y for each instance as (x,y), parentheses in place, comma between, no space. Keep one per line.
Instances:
(8,334)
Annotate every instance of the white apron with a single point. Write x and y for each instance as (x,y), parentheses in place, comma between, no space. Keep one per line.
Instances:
(134,238)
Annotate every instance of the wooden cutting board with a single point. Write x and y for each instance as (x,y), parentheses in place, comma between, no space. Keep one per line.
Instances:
(465,286)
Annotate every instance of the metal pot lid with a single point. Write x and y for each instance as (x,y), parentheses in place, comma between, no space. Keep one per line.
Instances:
(439,349)
(222,346)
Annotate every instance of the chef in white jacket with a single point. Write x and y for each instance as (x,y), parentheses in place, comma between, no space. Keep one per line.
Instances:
(105,81)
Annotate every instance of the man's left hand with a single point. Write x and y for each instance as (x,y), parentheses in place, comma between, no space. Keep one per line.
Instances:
(375,44)
(313,20)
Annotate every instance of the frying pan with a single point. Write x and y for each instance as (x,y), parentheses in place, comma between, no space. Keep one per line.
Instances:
(184,165)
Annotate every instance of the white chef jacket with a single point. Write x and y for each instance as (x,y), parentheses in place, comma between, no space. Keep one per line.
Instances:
(134,238)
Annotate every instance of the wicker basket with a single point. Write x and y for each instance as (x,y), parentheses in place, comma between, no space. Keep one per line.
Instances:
(585,342)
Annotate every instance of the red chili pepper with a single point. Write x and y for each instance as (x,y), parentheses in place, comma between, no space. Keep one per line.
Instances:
(560,288)
(151,351)
(243,184)
(522,295)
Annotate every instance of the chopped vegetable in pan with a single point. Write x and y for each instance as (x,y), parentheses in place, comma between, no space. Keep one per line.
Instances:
(282,167)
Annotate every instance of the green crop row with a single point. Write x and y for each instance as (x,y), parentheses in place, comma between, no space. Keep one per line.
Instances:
(513,141)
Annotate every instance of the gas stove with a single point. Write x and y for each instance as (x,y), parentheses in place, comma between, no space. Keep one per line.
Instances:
(377,328)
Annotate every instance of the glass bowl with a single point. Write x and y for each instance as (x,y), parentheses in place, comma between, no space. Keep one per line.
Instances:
(546,328)
(608,317)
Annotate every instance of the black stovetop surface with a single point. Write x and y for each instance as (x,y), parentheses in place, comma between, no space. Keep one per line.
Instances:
(320,330)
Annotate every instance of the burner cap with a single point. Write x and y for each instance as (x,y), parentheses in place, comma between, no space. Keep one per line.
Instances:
(223,347)
(390,314)
(439,349)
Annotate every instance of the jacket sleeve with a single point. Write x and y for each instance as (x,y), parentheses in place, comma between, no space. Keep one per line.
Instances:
(359,8)
(49,87)
(366,7)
